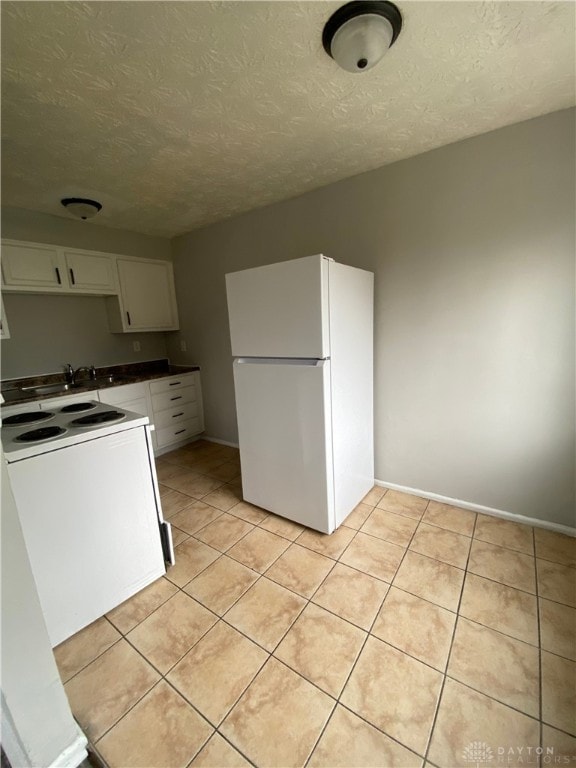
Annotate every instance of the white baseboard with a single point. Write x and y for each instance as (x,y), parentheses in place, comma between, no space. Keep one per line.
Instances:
(558,527)
(220,442)
(73,755)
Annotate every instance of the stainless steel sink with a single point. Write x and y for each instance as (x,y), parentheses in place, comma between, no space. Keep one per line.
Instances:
(50,389)
(56,389)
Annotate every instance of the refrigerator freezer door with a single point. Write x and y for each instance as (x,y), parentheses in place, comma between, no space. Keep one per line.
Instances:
(285,436)
(280,310)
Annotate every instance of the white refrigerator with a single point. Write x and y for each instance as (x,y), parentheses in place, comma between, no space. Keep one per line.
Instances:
(302,341)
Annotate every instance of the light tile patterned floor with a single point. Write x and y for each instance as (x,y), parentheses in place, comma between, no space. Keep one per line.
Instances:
(417,634)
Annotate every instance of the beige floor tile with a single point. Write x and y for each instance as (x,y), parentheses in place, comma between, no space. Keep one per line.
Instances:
(435,581)
(559,748)
(413,625)
(556,582)
(192,484)
(555,546)
(221,584)
(173,501)
(558,629)
(223,498)
(394,692)
(349,741)
(403,504)
(282,527)
(559,692)
(374,495)
(178,536)
(265,612)
(496,665)
(449,517)
(194,517)
(397,529)
(230,470)
(168,633)
(358,516)
(191,558)
(131,612)
(353,595)
(499,607)
(161,730)
(373,556)
(447,546)
(322,648)
(249,512)
(503,565)
(224,532)
(217,671)
(79,650)
(259,549)
(331,545)
(505,533)
(166,469)
(99,695)
(219,754)
(291,714)
(467,719)
(300,570)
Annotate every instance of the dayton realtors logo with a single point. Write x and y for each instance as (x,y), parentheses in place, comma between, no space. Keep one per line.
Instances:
(478,753)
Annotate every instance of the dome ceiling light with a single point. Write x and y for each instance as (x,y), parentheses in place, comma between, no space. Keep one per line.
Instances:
(359,33)
(80,207)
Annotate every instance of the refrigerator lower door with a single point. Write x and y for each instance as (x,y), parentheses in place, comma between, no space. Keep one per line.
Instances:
(285,437)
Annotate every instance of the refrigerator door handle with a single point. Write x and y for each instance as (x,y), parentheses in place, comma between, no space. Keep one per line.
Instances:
(302,361)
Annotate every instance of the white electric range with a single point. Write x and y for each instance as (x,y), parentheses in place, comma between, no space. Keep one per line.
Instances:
(85,485)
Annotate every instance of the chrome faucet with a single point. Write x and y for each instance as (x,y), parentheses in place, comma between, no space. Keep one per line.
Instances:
(71,375)
(91,372)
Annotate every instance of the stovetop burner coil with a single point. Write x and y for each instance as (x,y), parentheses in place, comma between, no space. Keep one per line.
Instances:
(95,419)
(39,435)
(28,417)
(78,407)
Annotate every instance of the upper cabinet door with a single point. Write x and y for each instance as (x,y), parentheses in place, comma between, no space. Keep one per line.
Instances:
(28,265)
(280,310)
(90,272)
(147,294)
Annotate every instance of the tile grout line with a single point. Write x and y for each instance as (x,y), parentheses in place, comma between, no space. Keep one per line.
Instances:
(540,678)
(445,675)
(368,635)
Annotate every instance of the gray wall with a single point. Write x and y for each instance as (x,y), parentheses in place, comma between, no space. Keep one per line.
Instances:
(472,246)
(48,331)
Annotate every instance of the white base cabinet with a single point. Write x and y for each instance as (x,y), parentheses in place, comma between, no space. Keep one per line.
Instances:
(177,410)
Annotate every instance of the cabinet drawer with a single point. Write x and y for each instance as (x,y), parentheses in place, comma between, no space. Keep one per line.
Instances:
(178,432)
(171,383)
(178,396)
(119,395)
(172,416)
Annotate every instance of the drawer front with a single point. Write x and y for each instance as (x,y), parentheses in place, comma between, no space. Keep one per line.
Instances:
(178,396)
(172,416)
(119,395)
(178,432)
(170,384)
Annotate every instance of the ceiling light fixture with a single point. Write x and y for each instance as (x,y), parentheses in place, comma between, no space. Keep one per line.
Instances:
(80,207)
(359,33)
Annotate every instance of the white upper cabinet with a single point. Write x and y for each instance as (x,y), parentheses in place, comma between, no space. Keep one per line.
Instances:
(90,272)
(147,299)
(37,268)
(31,266)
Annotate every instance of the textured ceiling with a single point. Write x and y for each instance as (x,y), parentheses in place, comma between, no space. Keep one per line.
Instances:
(178,114)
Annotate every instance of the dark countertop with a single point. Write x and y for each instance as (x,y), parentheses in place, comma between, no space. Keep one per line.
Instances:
(130,373)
